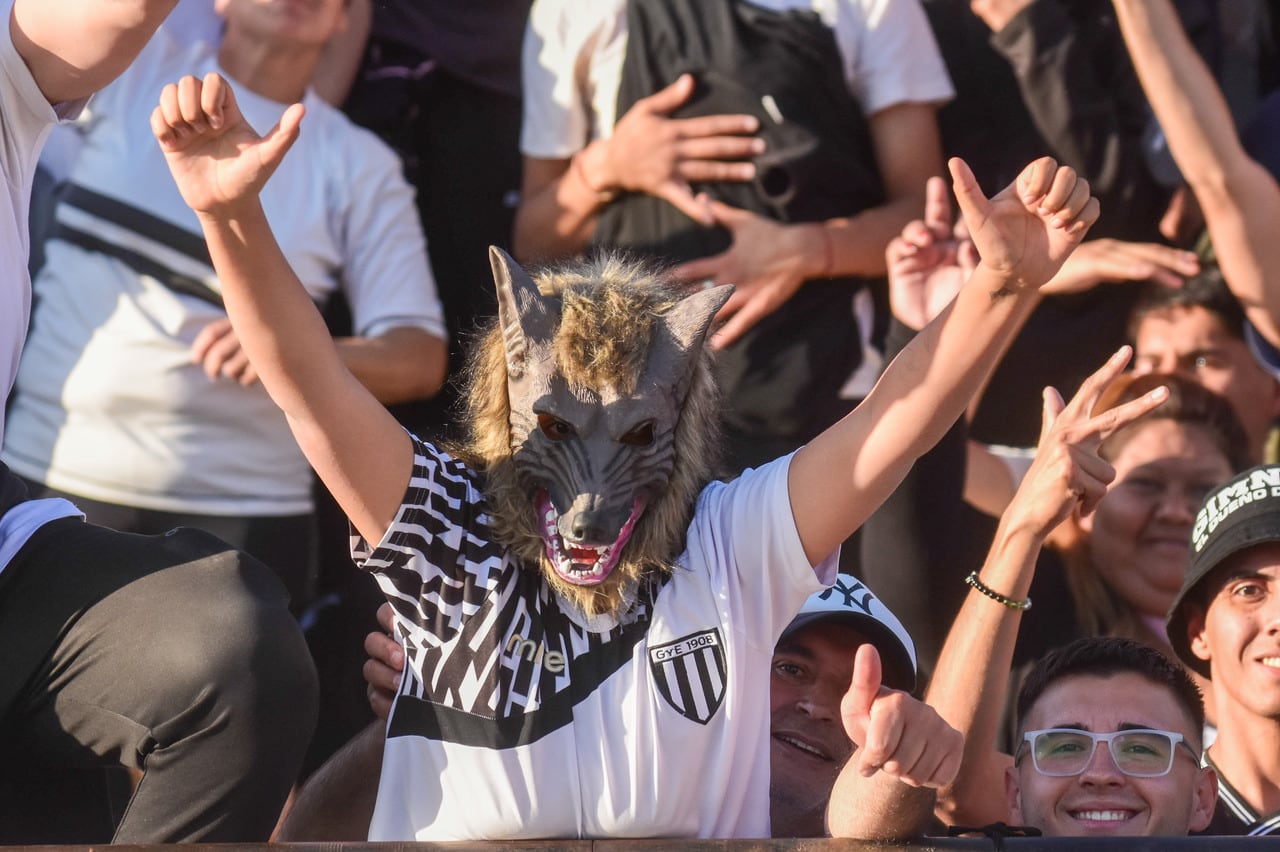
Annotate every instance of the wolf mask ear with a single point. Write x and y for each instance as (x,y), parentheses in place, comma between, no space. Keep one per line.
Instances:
(523,314)
(679,337)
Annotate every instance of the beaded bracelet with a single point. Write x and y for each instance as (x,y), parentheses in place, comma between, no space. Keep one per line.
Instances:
(973,580)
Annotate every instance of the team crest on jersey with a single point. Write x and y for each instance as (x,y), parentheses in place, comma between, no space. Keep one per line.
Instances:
(690,674)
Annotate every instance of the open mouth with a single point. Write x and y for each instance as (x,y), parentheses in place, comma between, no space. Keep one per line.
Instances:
(582,565)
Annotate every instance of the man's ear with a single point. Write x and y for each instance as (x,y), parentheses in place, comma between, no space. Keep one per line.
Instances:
(1195,632)
(1013,795)
(1206,799)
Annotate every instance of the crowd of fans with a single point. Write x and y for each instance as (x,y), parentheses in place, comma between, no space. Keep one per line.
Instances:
(1087,555)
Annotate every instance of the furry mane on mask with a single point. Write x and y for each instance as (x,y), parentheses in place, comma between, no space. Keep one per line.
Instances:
(603,318)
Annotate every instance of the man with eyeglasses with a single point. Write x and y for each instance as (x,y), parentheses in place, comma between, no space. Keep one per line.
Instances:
(1110,745)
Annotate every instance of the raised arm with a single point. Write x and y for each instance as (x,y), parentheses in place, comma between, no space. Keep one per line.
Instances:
(75,47)
(971,680)
(220,165)
(1239,198)
(1023,235)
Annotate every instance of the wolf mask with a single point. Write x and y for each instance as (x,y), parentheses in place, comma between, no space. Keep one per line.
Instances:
(593,413)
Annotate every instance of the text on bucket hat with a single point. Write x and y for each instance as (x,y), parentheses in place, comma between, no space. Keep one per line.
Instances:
(850,601)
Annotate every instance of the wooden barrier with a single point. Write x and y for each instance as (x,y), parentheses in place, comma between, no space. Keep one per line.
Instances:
(1010,844)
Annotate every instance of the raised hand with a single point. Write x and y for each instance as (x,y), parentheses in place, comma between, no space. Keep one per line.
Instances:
(895,733)
(216,158)
(1067,471)
(929,261)
(652,153)
(766,263)
(1026,231)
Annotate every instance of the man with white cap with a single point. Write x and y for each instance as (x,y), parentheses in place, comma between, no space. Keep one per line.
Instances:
(845,664)
(1225,625)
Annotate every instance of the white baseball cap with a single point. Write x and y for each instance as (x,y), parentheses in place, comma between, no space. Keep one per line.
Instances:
(850,601)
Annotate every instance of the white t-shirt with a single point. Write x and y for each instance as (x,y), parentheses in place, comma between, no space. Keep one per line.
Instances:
(25,120)
(109,404)
(517,720)
(573,53)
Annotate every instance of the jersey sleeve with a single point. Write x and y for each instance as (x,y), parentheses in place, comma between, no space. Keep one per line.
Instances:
(746,535)
(890,54)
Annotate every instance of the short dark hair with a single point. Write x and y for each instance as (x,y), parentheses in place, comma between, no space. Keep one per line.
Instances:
(1206,289)
(1103,656)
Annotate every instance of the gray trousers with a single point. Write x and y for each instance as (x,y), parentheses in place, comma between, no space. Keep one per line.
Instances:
(174,655)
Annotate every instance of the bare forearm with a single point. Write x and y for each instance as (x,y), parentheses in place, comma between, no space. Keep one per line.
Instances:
(559,208)
(857,242)
(1182,92)
(917,399)
(75,47)
(337,801)
(970,683)
(401,365)
(278,325)
(1240,199)
(877,808)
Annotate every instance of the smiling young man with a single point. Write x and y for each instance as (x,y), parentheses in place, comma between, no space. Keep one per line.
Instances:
(1111,743)
(1225,624)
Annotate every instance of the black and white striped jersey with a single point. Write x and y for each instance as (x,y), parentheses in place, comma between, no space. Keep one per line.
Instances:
(520,718)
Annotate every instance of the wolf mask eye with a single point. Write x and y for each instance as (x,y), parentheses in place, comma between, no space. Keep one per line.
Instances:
(554,428)
(640,436)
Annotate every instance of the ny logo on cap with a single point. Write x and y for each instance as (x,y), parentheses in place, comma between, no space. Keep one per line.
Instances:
(850,593)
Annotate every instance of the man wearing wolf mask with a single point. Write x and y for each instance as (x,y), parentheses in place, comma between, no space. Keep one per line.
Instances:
(588,623)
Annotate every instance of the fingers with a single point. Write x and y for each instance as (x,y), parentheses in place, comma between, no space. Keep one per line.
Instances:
(1051,407)
(217,349)
(1164,264)
(214,97)
(1114,419)
(680,196)
(974,206)
(724,128)
(386,617)
(387,654)
(665,100)
(1035,180)
(281,137)
(382,671)
(937,207)
(907,740)
(864,687)
(1092,388)
(750,312)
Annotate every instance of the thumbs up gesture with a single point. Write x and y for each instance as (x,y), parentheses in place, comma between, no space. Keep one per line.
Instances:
(895,733)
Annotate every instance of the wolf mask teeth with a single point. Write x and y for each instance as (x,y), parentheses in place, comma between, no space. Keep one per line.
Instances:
(582,564)
(603,436)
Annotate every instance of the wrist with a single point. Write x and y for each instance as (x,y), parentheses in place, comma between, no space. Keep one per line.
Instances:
(590,168)
(819,251)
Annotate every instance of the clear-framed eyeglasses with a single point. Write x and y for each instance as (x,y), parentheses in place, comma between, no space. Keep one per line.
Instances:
(1141,753)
